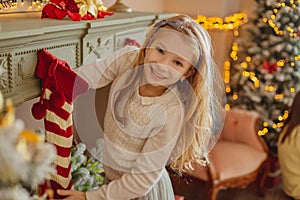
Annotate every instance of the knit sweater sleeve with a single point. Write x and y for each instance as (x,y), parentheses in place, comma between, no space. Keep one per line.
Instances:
(148,167)
(103,71)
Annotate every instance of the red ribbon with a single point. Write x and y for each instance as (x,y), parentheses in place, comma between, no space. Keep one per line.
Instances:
(58,9)
(271,68)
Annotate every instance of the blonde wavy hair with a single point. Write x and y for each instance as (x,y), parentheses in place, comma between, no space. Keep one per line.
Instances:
(204,110)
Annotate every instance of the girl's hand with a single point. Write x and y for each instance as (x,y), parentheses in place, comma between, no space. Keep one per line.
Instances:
(72,194)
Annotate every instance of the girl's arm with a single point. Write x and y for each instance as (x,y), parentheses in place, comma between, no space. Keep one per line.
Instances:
(103,71)
(148,166)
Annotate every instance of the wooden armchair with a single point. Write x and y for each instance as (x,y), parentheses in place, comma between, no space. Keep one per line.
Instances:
(238,157)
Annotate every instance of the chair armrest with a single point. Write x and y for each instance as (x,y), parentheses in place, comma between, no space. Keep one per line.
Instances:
(212,173)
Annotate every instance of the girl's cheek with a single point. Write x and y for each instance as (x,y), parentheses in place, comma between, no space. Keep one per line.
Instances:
(176,74)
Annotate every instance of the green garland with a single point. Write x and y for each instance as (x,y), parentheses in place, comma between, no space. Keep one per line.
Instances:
(87,172)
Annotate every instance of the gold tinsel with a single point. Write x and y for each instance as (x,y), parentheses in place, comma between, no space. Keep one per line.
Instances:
(90,6)
(7,112)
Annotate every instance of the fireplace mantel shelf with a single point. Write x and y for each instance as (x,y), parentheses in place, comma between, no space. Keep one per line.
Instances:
(30,24)
(22,35)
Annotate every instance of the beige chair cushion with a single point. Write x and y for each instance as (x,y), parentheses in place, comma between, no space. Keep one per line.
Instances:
(231,160)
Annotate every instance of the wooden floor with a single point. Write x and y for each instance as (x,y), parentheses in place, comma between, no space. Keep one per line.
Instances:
(193,189)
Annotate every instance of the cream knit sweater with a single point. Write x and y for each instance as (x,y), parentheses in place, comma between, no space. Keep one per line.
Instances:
(138,146)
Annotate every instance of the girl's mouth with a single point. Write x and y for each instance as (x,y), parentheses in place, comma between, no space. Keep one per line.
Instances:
(156,75)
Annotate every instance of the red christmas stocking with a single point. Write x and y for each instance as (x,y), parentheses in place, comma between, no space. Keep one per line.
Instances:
(60,86)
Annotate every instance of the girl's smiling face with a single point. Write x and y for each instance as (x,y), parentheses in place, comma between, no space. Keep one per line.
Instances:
(164,68)
(169,57)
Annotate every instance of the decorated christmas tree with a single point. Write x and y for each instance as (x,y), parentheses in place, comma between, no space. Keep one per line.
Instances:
(25,158)
(263,73)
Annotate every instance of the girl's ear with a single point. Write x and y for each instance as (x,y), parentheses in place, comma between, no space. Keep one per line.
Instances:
(190,72)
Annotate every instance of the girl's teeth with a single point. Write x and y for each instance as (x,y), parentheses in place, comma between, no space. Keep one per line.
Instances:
(154,72)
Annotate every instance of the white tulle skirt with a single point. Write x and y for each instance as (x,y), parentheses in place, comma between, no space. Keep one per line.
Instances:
(162,190)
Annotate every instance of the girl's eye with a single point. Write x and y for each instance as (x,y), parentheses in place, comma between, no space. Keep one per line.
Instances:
(178,63)
(160,50)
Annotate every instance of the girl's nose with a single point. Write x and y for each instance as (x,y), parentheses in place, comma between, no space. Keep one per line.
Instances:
(162,68)
(164,60)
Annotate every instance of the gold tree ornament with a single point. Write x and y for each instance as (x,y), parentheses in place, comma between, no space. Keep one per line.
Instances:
(31,137)
(27,139)
(7,112)
(26,159)
(90,6)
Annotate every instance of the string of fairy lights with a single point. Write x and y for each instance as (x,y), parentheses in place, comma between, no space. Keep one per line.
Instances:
(230,23)
(10,6)
(233,23)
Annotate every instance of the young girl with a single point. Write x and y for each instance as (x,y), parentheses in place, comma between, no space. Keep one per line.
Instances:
(165,107)
(289,151)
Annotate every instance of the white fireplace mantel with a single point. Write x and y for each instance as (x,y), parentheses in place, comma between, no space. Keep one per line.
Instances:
(24,34)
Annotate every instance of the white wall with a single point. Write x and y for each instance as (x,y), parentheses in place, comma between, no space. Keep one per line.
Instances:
(218,8)
(248,6)
(23,112)
(140,5)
